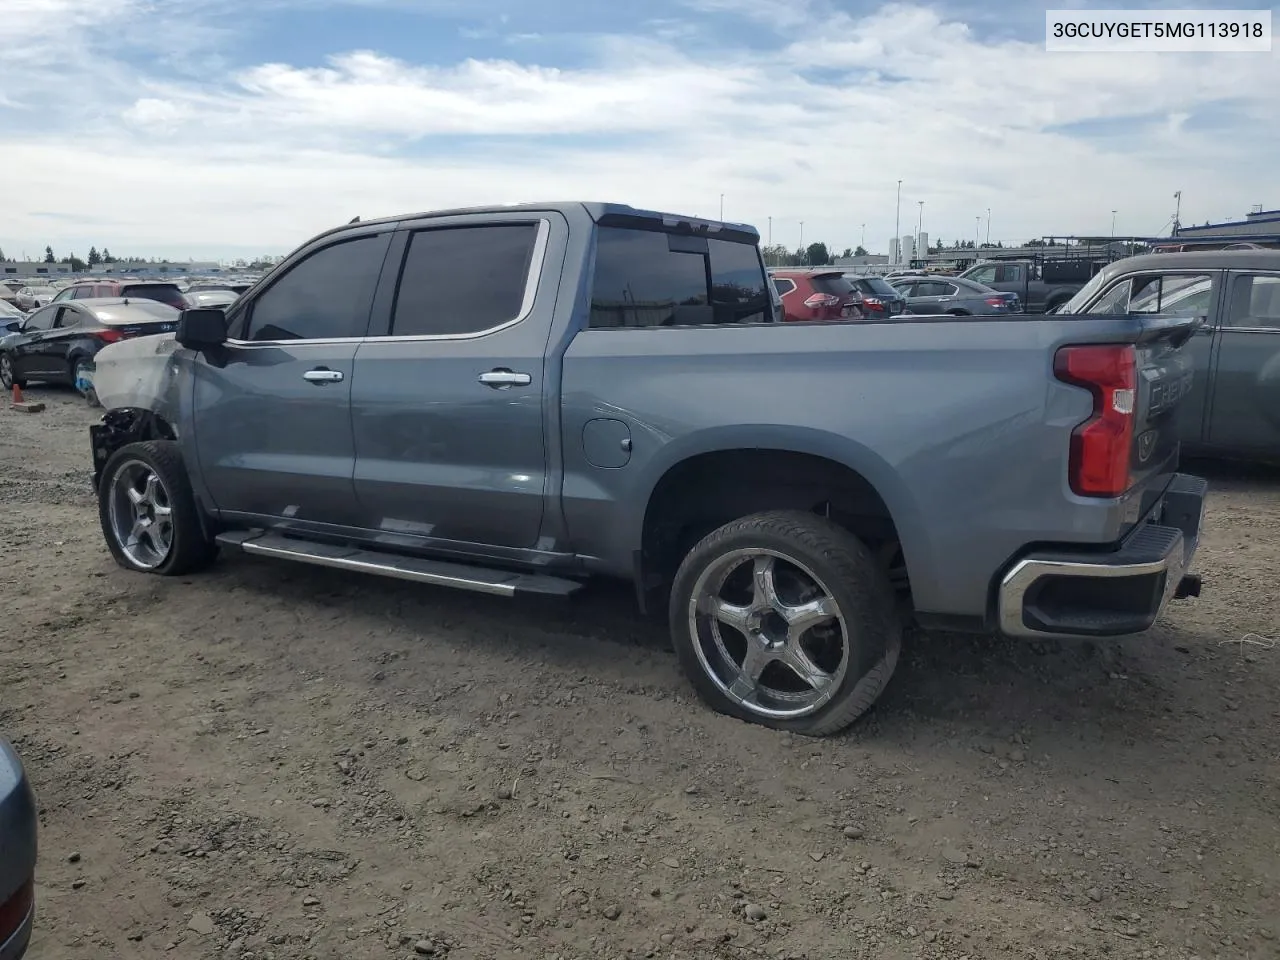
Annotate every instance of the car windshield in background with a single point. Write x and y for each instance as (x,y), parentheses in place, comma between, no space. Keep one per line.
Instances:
(878,286)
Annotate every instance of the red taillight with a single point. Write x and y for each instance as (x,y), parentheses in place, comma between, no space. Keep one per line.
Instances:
(1101,446)
(819,300)
(111,335)
(996,301)
(14,911)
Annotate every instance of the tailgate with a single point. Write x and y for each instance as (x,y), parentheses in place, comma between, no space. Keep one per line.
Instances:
(1164,378)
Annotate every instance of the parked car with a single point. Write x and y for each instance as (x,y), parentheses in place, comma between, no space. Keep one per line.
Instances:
(1041,286)
(880,300)
(9,292)
(1233,408)
(31,298)
(816,294)
(18,847)
(960,298)
(10,313)
(515,399)
(57,343)
(162,291)
(209,298)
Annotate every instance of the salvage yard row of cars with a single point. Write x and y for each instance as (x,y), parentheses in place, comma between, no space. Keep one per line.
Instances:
(517,400)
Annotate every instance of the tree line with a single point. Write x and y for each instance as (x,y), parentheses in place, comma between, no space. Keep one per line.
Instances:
(96,258)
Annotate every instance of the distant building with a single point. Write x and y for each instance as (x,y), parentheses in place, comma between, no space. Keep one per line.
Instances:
(34,268)
(1259,223)
(922,244)
(895,251)
(908,248)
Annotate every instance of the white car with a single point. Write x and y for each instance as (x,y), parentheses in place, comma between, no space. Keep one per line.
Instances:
(31,298)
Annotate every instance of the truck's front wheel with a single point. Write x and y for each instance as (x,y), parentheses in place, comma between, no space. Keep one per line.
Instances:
(786,620)
(148,511)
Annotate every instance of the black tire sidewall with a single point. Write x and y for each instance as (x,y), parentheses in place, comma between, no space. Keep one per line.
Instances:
(191,548)
(866,601)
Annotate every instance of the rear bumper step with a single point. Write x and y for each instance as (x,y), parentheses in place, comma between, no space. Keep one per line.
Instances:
(1072,593)
(440,573)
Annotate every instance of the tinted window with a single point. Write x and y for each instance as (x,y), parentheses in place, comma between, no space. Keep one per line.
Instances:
(40,320)
(163,292)
(1180,295)
(463,279)
(783,285)
(328,295)
(67,317)
(837,286)
(641,282)
(877,287)
(739,293)
(930,288)
(1255,302)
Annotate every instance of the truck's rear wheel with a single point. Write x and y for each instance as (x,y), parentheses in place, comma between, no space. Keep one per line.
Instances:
(786,620)
(148,512)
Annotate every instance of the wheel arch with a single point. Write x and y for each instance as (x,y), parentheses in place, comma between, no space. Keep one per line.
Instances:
(804,460)
(122,426)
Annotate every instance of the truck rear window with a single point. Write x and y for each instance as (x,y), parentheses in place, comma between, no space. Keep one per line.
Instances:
(647,278)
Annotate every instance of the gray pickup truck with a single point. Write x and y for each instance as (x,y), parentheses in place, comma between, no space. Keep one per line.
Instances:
(1041,285)
(1233,408)
(516,399)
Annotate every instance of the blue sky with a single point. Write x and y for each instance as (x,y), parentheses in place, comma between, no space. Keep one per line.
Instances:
(221,128)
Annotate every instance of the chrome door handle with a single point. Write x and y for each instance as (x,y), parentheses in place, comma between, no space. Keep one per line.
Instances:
(323,375)
(505,378)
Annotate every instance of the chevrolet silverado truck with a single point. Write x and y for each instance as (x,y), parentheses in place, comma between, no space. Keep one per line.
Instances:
(514,400)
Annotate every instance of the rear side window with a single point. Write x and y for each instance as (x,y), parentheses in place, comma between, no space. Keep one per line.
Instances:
(327,296)
(1255,301)
(650,279)
(460,280)
(877,287)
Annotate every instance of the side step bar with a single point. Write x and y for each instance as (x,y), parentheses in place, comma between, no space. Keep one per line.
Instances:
(460,576)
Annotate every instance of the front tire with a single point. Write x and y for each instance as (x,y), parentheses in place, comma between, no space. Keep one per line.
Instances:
(7,378)
(787,620)
(148,512)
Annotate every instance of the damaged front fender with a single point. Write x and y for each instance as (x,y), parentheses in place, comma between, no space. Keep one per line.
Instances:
(136,382)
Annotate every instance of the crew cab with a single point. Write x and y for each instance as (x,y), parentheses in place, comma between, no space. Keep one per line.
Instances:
(1233,408)
(1040,285)
(517,399)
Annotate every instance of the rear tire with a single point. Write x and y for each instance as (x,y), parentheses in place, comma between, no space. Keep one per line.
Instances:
(786,620)
(148,511)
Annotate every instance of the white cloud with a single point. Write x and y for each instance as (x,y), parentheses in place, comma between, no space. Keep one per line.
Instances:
(817,127)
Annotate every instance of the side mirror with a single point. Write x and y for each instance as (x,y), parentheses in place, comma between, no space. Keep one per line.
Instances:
(13,326)
(202,327)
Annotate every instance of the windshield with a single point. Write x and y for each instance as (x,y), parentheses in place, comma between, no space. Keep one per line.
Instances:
(834,284)
(1084,294)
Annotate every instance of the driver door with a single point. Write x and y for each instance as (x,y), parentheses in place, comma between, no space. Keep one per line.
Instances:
(26,350)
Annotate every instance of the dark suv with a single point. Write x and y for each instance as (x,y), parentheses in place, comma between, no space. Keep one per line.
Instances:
(879,298)
(161,291)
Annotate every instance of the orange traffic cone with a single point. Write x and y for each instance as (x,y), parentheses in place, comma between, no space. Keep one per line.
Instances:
(22,405)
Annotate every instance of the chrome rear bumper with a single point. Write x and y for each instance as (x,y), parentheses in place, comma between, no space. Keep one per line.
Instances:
(1073,593)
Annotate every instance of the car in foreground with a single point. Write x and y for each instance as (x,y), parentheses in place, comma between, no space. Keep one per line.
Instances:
(1233,405)
(516,399)
(816,294)
(954,296)
(18,847)
(57,343)
(160,291)
(880,301)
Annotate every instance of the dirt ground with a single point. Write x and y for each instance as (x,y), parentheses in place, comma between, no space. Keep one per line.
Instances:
(271,761)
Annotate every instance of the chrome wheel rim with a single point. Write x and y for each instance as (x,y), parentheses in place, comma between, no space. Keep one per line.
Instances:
(769,634)
(6,371)
(140,514)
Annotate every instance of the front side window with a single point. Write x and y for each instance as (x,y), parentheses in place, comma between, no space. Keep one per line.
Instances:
(783,285)
(461,280)
(324,297)
(40,320)
(1255,301)
(985,275)
(646,278)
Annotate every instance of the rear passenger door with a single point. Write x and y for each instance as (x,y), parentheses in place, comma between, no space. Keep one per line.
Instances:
(273,407)
(1245,411)
(449,389)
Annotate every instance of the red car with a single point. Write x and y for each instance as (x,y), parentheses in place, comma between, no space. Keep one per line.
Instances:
(159,290)
(816,293)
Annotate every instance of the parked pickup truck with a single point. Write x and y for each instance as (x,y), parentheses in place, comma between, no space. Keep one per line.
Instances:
(1042,286)
(1233,408)
(516,399)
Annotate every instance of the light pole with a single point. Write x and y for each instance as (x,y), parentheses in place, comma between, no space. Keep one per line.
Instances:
(722,206)
(988,226)
(863,244)
(897,225)
(771,231)
(920,220)
(803,252)
(1113,226)
(977,222)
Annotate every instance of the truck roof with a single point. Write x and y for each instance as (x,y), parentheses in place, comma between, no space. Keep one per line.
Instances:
(596,210)
(1201,259)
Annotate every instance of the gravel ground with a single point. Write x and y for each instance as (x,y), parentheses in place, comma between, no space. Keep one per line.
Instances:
(275,761)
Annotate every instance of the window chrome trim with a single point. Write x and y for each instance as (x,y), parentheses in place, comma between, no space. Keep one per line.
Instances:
(537,266)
